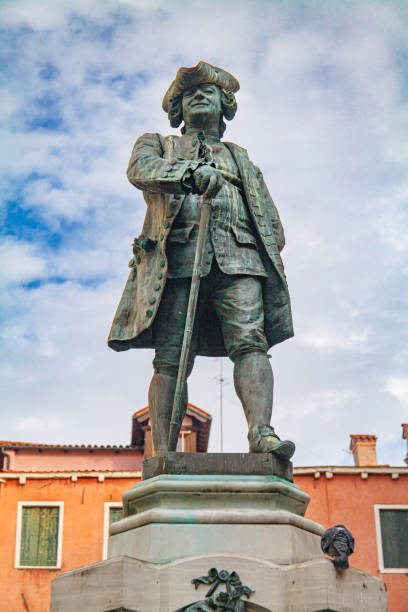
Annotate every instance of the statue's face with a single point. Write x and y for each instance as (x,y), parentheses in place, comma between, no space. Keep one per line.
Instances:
(202,104)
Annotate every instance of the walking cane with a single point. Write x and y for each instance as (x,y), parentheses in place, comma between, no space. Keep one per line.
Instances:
(177,415)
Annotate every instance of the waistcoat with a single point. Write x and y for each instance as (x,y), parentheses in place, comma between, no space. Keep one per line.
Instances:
(231,238)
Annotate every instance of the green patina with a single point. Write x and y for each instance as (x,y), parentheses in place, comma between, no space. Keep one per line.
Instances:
(241,263)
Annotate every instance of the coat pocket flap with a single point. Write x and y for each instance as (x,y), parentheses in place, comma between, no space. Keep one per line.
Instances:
(243,236)
(181,234)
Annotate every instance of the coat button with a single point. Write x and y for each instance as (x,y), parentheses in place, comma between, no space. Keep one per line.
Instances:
(157,287)
(166,225)
(160,276)
(162,263)
(152,301)
(149,313)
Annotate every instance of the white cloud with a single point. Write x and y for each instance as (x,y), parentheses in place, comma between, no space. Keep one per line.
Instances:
(398,387)
(20,262)
(331,339)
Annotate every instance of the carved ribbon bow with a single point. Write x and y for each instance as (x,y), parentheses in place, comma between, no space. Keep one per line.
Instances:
(229,600)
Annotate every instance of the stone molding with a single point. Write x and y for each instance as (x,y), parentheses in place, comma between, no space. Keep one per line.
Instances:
(215,499)
(216,517)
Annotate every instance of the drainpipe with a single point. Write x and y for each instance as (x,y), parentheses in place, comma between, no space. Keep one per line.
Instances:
(7,456)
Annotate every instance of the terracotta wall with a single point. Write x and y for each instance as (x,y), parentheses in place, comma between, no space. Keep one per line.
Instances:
(82,535)
(349,500)
(34,460)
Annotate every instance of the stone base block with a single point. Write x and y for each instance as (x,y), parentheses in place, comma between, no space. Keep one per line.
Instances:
(158,543)
(126,583)
(244,464)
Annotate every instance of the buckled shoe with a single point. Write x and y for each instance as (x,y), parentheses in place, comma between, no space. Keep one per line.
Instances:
(263,439)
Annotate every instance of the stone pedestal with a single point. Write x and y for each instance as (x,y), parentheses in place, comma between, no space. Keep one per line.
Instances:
(170,517)
(177,527)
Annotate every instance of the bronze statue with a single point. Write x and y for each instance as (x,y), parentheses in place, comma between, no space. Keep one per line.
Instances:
(243,304)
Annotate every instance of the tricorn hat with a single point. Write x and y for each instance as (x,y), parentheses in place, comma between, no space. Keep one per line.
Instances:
(202,73)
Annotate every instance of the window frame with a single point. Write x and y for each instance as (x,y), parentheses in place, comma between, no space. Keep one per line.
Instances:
(184,441)
(19,532)
(377,509)
(106,515)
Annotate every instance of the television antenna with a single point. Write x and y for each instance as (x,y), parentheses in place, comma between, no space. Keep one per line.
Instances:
(221,380)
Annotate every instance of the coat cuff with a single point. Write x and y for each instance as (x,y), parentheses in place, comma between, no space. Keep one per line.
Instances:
(172,176)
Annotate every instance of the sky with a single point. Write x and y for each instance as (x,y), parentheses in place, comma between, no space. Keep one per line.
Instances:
(321,110)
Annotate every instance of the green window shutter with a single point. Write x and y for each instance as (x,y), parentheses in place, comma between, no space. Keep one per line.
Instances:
(394,536)
(39,535)
(115,514)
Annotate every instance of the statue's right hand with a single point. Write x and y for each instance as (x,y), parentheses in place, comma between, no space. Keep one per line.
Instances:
(207,181)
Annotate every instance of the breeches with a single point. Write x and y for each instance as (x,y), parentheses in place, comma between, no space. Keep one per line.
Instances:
(238,305)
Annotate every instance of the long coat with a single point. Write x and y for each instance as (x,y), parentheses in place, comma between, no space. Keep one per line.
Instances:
(157,166)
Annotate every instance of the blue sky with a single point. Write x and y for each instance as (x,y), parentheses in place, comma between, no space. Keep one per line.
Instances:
(322,111)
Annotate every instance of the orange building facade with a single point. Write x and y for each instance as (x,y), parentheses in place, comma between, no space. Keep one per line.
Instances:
(56,504)
(355,497)
(85,500)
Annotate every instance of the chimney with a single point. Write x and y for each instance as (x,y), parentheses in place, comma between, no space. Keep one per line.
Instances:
(364,449)
(405,437)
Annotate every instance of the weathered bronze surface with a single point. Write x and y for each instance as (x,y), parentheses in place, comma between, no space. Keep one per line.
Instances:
(243,304)
(230,599)
(265,464)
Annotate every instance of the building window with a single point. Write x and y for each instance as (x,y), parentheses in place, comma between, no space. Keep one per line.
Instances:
(39,535)
(392,538)
(113,512)
(185,442)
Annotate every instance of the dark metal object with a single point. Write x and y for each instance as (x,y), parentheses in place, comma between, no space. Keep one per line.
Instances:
(230,599)
(179,405)
(338,542)
(252,464)
(121,610)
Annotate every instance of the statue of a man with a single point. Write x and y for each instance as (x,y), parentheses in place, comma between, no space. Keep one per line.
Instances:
(243,304)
